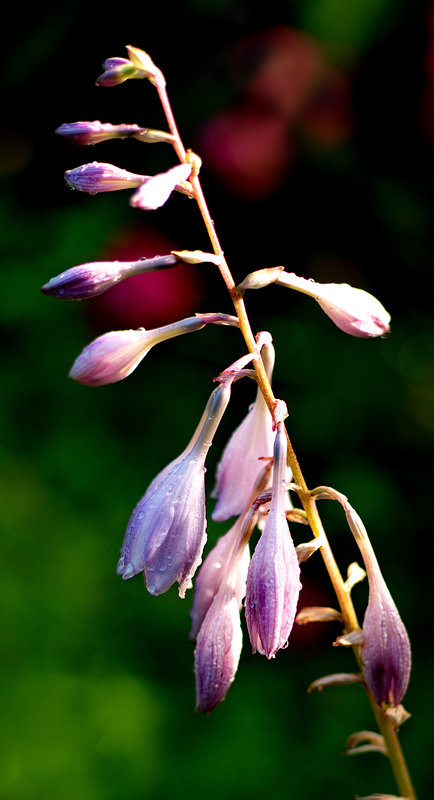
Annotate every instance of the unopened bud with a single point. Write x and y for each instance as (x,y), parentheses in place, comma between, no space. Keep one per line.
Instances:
(354,311)
(98,177)
(95,132)
(118,70)
(260,278)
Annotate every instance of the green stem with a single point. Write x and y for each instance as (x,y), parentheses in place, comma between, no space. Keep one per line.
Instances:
(385,725)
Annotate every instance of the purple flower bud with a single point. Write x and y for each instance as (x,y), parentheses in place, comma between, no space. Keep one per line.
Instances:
(241,461)
(167,530)
(213,572)
(98,177)
(94,132)
(218,650)
(113,356)
(354,311)
(118,70)
(273,580)
(386,654)
(154,191)
(89,280)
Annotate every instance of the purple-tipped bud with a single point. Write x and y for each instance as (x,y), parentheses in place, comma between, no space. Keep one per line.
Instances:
(213,571)
(115,355)
(386,654)
(217,651)
(167,530)
(89,280)
(95,132)
(98,177)
(354,311)
(154,191)
(273,580)
(241,461)
(118,70)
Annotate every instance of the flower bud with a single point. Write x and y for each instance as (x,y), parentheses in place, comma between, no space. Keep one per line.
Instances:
(115,355)
(118,70)
(167,530)
(154,191)
(89,280)
(98,177)
(385,652)
(241,461)
(354,311)
(213,572)
(273,580)
(217,651)
(95,132)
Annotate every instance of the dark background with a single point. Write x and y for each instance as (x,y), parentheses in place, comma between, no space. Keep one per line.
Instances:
(314,119)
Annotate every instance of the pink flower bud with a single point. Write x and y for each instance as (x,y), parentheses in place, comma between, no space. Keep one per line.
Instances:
(154,191)
(115,355)
(241,461)
(354,311)
(214,571)
(89,280)
(217,651)
(95,132)
(273,580)
(98,177)
(167,530)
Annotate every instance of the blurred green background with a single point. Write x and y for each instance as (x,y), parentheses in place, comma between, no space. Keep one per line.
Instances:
(314,119)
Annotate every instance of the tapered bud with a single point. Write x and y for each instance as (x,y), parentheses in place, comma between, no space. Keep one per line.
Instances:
(273,580)
(115,355)
(213,572)
(89,280)
(354,311)
(154,191)
(242,459)
(167,530)
(95,132)
(118,70)
(98,177)
(217,651)
(385,651)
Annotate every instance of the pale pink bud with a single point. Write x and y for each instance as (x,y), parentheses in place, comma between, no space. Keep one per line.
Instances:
(214,571)
(354,311)
(217,651)
(167,530)
(98,177)
(95,132)
(113,356)
(154,191)
(241,461)
(273,580)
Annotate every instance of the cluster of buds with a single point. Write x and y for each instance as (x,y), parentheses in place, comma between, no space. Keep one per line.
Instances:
(166,535)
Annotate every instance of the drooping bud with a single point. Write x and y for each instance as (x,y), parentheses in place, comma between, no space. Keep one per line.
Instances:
(273,580)
(89,280)
(154,191)
(218,650)
(241,461)
(167,530)
(115,355)
(385,652)
(212,573)
(99,177)
(354,311)
(95,132)
(118,70)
